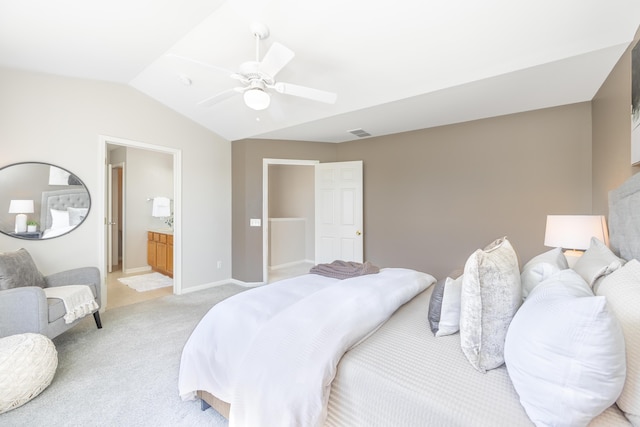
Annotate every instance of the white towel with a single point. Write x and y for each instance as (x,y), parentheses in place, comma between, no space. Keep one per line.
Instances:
(78,300)
(161,207)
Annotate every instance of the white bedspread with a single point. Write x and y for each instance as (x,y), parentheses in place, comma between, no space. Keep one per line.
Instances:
(272,352)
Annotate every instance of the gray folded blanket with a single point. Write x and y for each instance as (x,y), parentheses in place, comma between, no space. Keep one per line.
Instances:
(344,269)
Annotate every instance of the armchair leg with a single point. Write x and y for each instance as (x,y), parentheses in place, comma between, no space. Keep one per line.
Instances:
(96,317)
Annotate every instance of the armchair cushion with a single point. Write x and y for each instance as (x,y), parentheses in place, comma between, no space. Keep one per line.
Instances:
(17,269)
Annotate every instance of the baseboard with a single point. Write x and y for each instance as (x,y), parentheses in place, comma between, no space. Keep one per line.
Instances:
(246,284)
(220,283)
(137,270)
(290,264)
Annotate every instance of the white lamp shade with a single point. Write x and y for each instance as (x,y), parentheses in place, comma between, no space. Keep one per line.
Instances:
(257,99)
(21,206)
(575,231)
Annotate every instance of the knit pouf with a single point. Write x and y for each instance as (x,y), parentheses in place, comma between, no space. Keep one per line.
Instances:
(28,363)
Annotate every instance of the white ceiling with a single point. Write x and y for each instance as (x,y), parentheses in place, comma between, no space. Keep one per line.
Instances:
(399,66)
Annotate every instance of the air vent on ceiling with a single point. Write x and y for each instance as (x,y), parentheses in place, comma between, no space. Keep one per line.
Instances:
(360,133)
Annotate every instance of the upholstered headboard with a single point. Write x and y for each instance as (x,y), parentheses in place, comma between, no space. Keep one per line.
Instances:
(624,219)
(61,200)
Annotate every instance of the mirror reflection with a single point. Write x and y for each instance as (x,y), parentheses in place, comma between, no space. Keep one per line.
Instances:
(41,201)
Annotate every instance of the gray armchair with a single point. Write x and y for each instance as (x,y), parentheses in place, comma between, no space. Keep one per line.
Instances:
(24,306)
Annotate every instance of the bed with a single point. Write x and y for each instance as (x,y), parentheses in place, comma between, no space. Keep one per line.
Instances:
(63,210)
(400,373)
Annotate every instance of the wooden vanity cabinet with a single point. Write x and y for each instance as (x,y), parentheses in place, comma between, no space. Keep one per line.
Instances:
(160,252)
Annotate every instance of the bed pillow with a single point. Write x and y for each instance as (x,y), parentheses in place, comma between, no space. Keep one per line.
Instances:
(17,269)
(444,307)
(597,262)
(59,219)
(77,215)
(622,290)
(565,353)
(491,294)
(435,306)
(540,267)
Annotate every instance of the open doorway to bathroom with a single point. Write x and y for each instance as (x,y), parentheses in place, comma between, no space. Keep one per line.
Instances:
(135,174)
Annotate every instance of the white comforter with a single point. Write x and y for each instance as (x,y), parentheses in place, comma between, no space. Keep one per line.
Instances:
(272,351)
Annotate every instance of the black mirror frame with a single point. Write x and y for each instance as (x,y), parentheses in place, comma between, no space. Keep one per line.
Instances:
(78,182)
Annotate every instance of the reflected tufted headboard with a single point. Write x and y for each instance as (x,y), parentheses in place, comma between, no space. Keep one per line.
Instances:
(61,200)
(624,219)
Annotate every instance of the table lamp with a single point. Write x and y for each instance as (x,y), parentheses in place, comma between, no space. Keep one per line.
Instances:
(574,233)
(21,208)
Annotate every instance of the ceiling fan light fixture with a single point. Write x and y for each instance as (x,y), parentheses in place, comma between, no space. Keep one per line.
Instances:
(257,99)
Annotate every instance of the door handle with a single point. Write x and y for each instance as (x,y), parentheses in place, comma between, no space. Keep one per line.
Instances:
(358,233)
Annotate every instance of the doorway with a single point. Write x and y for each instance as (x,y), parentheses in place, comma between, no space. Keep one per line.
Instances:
(285,216)
(331,208)
(127,213)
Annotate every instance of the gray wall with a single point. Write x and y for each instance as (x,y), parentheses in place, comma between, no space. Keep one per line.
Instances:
(433,196)
(612,133)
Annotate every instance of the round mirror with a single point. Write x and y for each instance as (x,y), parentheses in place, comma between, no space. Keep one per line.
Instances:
(41,201)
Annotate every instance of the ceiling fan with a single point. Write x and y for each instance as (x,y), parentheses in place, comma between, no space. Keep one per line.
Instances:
(258,77)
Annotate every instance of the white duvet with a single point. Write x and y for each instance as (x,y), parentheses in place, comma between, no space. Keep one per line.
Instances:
(272,352)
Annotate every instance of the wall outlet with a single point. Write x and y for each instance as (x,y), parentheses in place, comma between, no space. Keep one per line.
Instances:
(219,264)
(255,222)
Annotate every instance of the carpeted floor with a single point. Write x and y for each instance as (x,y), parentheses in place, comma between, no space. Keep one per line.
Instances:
(125,374)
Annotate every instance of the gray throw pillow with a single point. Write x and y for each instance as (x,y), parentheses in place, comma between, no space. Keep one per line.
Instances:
(17,269)
(435,306)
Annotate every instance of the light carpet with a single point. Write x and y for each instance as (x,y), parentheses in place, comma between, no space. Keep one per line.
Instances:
(147,282)
(125,374)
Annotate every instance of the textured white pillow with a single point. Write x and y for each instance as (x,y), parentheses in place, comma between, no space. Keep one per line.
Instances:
(77,215)
(491,294)
(597,261)
(59,218)
(565,353)
(540,267)
(622,290)
(450,309)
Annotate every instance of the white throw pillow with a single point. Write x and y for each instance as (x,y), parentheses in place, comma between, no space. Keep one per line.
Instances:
(491,294)
(597,262)
(540,267)
(565,353)
(622,290)
(59,218)
(450,309)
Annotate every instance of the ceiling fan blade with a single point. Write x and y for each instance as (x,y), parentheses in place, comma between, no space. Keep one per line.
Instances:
(204,64)
(306,92)
(275,59)
(219,97)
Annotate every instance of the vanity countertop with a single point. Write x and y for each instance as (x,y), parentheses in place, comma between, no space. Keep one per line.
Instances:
(161,230)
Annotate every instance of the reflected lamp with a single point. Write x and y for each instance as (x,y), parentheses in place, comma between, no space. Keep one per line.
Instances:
(21,208)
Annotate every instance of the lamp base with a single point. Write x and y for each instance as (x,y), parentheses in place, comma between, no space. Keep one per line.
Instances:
(21,223)
(572,256)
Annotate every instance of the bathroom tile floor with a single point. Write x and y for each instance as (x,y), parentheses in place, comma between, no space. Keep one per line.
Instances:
(119,294)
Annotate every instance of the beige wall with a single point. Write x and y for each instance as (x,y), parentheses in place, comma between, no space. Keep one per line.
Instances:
(433,196)
(612,133)
(59,120)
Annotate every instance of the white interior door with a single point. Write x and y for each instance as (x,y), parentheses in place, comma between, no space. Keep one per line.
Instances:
(110,224)
(339,222)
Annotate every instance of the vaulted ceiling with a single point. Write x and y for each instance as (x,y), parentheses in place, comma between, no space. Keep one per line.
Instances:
(395,66)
